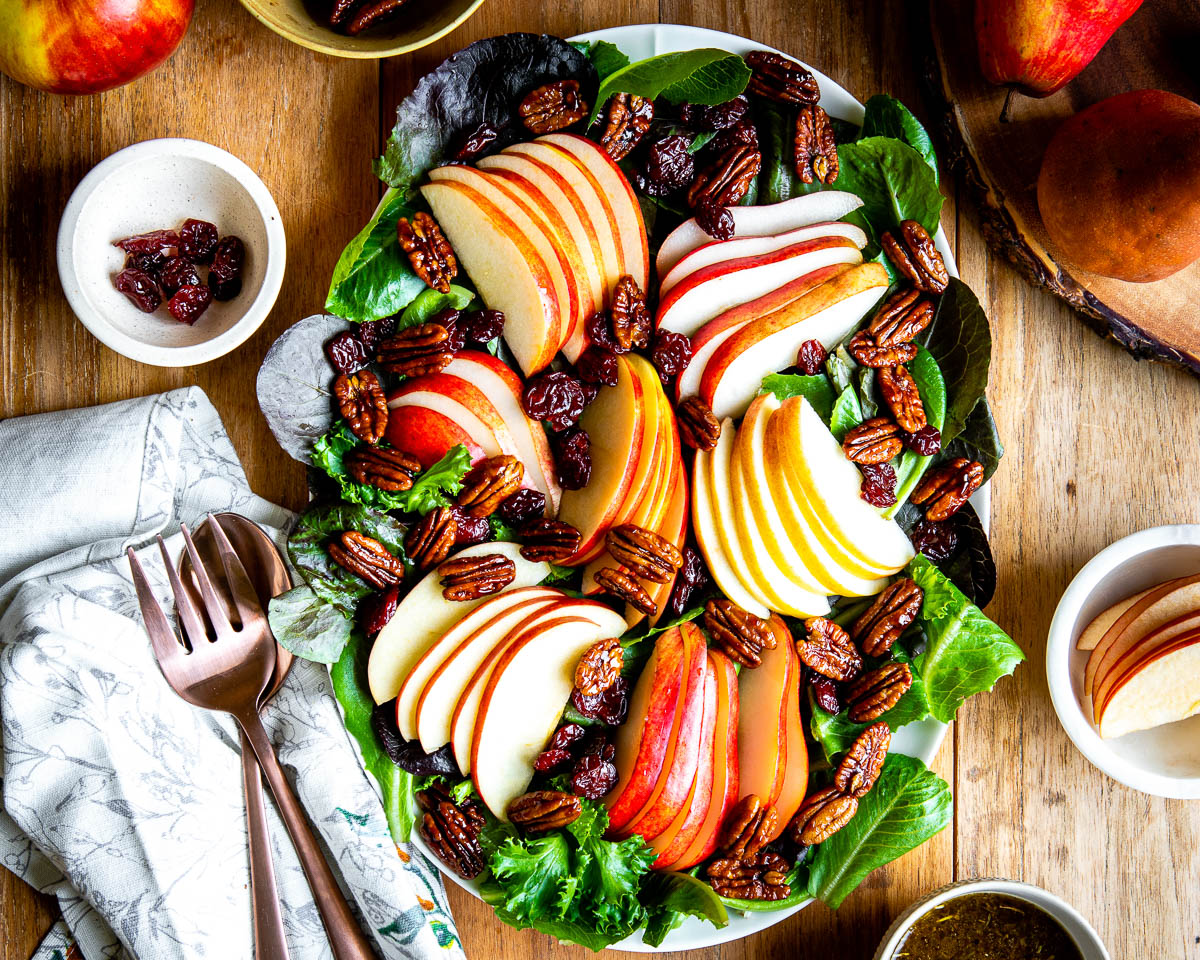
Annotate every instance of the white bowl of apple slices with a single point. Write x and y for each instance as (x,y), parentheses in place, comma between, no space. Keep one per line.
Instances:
(1123,661)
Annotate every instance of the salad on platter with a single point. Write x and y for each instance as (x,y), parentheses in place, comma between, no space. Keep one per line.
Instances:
(643,425)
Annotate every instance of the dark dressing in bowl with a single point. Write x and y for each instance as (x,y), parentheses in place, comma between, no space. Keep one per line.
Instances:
(987,926)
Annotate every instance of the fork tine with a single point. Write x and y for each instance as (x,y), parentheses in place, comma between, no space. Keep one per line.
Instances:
(193,624)
(244,595)
(212,603)
(163,638)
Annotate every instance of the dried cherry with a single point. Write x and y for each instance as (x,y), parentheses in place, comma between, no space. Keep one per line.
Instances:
(521,506)
(593,776)
(224,286)
(377,609)
(347,353)
(175,273)
(550,758)
(690,582)
(475,143)
(451,319)
(825,692)
(715,220)
(608,707)
(879,484)
(189,303)
(715,117)
(198,240)
(926,442)
(671,353)
(573,457)
(937,541)
(598,365)
(149,263)
(140,288)
(470,530)
(811,357)
(156,241)
(383,722)
(598,328)
(668,166)
(555,398)
(566,735)
(225,277)
(481,327)
(590,391)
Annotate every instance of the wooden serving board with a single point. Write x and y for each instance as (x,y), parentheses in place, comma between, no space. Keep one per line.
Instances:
(999,162)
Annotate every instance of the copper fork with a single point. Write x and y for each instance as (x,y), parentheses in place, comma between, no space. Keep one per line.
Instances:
(229,671)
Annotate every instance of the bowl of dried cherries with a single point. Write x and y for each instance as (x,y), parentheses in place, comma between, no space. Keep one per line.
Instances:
(171,252)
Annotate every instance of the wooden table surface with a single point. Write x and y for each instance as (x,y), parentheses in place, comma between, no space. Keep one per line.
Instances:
(1098,445)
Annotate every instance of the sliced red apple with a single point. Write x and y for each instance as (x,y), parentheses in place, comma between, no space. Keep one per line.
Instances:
(481,433)
(795,777)
(1164,688)
(1141,645)
(1097,628)
(674,529)
(428,435)
(762,731)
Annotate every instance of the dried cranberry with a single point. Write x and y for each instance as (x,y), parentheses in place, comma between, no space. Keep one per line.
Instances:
(189,303)
(593,777)
(413,758)
(716,117)
(549,759)
(573,457)
(451,319)
(598,746)
(715,220)
(927,441)
(523,505)
(225,277)
(370,332)
(156,241)
(140,288)
(811,357)
(175,273)
(224,284)
(879,484)
(383,722)
(598,328)
(476,143)
(481,327)
(690,582)
(149,263)
(590,392)
(470,530)
(198,240)
(825,692)
(598,365)
(555,398)
(230,252)
(608,707)
(377,609)
(668,167)
(671,353)
(566,735)
(937,541)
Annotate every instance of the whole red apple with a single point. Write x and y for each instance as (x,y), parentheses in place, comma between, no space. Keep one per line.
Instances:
(86,46)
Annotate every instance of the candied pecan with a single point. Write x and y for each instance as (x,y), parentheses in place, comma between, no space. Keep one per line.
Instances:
(644,552)
(874,441)
(541,810)
(747,829)
(780,78)
(865,350)
(488,483)
(821,815)
(948,487)
(726,178)
(698,427)
(760,877)
(626,119)
(599,667)
(372,13)
(430,540)
(552,106)
(827,650)
(366,557)
(422,349)
(362,404)
(631,320)
(903,398)
(888,617)
(902,316)
(549,540)
(428,250)
(875,693)
(469,578)
(814,148)
(385,468)
(861,765)
(741,634)
(454,838)
(915,256)
(624,586)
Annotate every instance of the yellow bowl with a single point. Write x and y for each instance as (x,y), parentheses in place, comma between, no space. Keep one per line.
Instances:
(417,24)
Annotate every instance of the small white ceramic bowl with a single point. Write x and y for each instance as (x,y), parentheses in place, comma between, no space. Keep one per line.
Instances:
(156,185)
(1088,941)
(1164,761)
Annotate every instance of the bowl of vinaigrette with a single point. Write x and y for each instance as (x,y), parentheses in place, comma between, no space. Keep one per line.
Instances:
(991,920)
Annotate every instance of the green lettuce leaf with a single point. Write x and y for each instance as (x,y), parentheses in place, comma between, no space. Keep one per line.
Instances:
(307,626)
(428,302)
(777,181)
(887,117)
(907,806)
(979,439)
(606,57)
(847,413)
(894,181)
(704,76)
(669,896)
(966,653)
(816,388)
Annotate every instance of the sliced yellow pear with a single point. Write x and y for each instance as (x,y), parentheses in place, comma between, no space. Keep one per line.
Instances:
(424,615)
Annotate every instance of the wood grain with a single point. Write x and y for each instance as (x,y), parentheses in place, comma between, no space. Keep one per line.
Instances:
(1098,445)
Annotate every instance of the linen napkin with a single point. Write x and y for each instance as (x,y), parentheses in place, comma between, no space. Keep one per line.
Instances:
(119,798)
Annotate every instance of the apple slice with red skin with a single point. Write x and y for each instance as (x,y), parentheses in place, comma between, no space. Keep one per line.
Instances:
(759,221)
(427,435)
(1099,627)
(1145,645)
(674,529)
(507,270)
(712,290)
(762,731)
(1162,688)
(795,777)
(479,431)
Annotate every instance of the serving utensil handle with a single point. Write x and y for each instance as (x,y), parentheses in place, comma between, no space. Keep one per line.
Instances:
(345,936)
(269,940)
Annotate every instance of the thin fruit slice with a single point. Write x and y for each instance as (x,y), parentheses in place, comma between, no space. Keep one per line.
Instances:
(1146,645)
(428,435)
(1097,628)
(1163,689)
(762,731)
(795,777)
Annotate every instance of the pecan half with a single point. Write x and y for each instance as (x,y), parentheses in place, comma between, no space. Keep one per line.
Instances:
(741,634)
(387,469)
(747,829)
(599,667)
(821,815)
(552,106)
(373,13)
(430,540)
(469,578)
(760,877)
(366,557)
(861,765)
(888,617)
(948,487)
(632,324)
(781,79)
(422,349)
(915,256)
(865,350)
(827,650)
(698,426)
(875,693)
(626,119)
(902,316)
(644,552)
(428,250)
(874,441)
(488,483)
(454,837)
(624,586)
(814,147)
(727,177)
(548,540)
(362,404)
(903,398)
(541,810)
